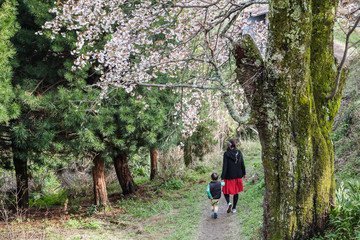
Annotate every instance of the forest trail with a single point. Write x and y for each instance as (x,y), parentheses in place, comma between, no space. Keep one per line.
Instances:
(226,226)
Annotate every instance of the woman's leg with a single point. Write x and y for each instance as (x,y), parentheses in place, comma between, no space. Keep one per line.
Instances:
(236,198)
(227,198)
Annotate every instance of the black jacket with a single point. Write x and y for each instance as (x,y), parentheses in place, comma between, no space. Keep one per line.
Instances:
(215,189)
(233,165)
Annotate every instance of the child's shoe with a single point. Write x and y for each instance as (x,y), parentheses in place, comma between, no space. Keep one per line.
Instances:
(229,207)
(233,210)
(215,215)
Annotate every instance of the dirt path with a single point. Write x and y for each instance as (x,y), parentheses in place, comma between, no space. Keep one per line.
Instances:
(339,51)
(226,226)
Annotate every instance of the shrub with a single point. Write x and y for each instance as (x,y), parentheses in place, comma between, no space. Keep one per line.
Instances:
(72,223)
(140,165)
(345,217)
(92,225)
(44,181)
(49,200)
(75,208)
(191,176)
(173,184)
(92,210)
(201,169)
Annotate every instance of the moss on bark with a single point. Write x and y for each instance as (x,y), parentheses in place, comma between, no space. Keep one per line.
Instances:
(293,117)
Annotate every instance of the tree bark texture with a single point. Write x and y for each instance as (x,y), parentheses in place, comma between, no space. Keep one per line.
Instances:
(100,191)
(153,163)
(22,186)
(187,153)
(294,119)
(123,174)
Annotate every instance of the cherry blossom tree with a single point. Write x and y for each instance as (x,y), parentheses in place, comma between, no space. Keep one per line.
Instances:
(131,42)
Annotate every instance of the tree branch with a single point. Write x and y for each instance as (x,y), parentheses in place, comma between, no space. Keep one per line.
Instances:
(340,68)
(206,87)
(197,6)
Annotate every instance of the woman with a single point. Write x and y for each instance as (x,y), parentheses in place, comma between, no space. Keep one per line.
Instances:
(232,173)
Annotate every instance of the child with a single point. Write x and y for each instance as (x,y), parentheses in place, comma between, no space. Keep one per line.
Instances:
(214,193)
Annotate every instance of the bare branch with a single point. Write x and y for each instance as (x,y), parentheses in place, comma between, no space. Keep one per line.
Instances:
(223,32)
(355,11)
(354,44)
(229,103)
(207,87)
(340,68)
(197,6)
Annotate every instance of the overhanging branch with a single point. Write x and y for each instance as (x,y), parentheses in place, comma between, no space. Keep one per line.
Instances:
(206,87)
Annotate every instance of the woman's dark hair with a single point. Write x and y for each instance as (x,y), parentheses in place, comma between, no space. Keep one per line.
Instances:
(214,176)
(232,144)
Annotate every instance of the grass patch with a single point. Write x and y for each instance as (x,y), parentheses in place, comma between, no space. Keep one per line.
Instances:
(185,222)
(250,209)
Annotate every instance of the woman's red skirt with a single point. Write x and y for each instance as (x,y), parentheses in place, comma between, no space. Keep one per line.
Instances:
(233,186)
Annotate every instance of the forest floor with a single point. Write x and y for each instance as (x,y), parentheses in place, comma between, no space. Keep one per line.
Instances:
(177,214)
(179,209)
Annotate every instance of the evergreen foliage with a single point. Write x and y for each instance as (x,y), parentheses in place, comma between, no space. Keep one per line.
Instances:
(8,27)
(39,68)
(61,117)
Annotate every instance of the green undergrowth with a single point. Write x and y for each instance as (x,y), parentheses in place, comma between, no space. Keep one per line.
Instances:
(49,200)
(172,212)
(250,208)
(344,222)
(159,210)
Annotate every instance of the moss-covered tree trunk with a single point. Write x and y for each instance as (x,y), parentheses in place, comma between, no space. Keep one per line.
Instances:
(100,191)
(153,162)
(293,117)
(123,174)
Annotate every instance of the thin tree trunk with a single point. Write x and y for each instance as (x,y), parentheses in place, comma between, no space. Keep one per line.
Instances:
(100,191)
(123,174)
(187,153)
(154,161)
(22,186)
(293,116)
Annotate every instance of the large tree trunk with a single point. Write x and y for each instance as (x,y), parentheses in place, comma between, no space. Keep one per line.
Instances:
(153,163)
(123,174)
(292,115)
(22,186)
(100,192)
